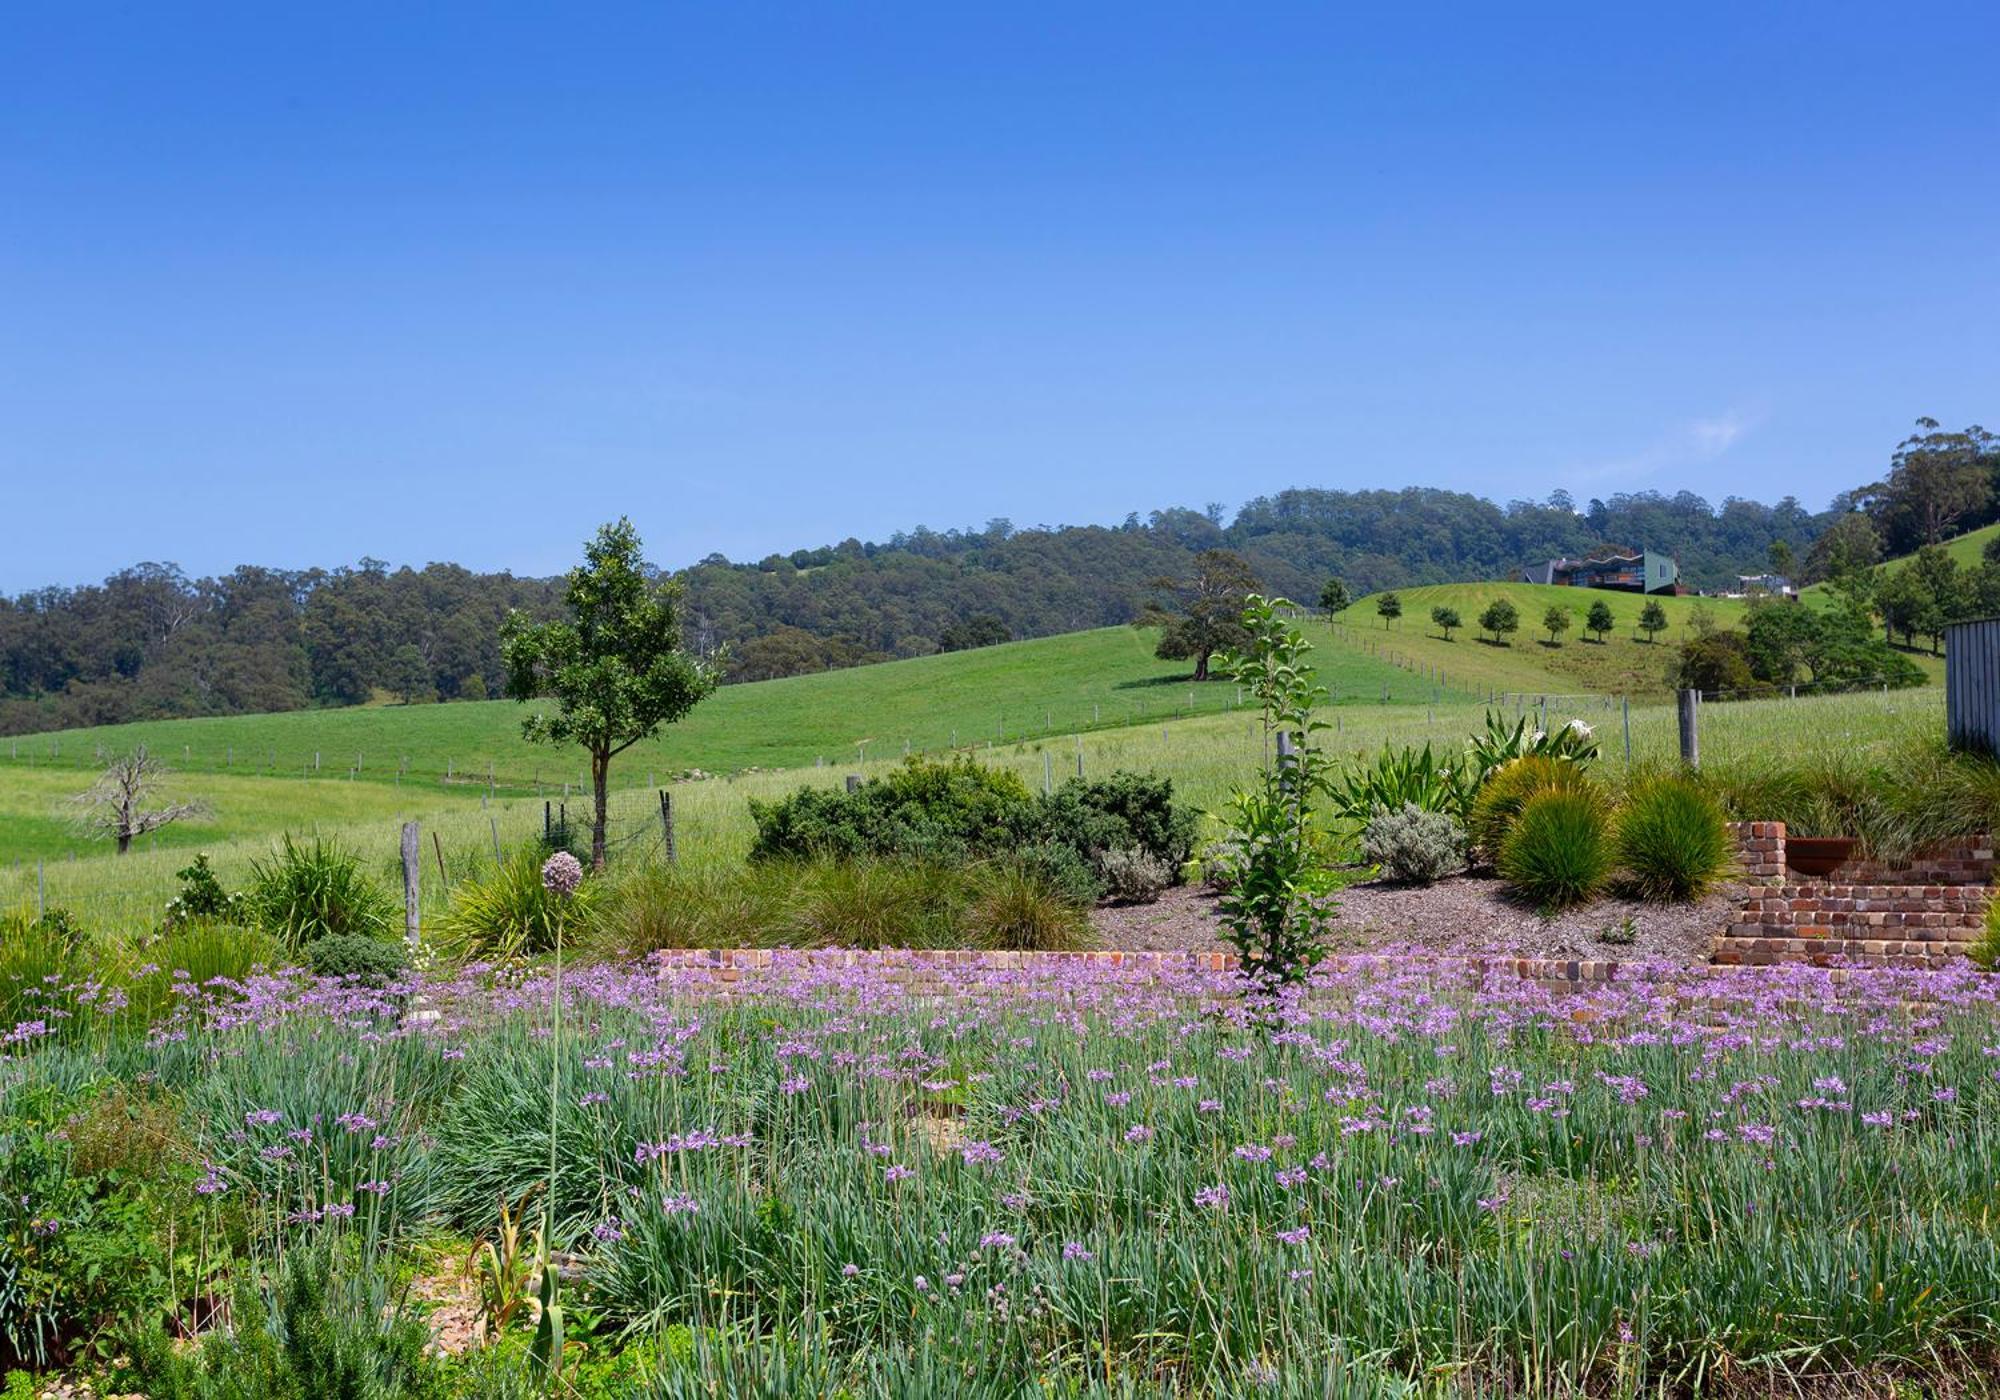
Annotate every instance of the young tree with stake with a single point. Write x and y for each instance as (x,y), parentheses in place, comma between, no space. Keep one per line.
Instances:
(615,667)
(1390,607)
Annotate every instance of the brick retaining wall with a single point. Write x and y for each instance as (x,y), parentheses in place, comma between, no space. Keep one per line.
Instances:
(1901,925)
(1760,850)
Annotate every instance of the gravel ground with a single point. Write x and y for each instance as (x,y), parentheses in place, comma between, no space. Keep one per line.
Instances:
(1465,914)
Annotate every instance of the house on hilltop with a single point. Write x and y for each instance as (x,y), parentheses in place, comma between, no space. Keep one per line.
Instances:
(1641,572)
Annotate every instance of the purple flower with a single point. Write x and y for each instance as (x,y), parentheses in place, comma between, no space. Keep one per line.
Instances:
(561,874)
(1073,1250)
(1298,1236)
(1138,1133)
(975,1153)
(896,1172)
(997,1239)
(1214,1197)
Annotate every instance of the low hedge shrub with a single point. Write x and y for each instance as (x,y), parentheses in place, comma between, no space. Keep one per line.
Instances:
(960,810)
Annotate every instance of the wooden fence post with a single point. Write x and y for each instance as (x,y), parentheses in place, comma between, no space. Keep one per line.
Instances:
(412,864)
(1690,736)
(667,824)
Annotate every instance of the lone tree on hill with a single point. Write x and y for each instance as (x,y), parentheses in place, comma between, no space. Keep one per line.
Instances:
(1333,597)
(1202,615)
(1652,618)
(1446,620)
(1500,617)
(1557,619)
(615,667)
(1390,607)
(116,807)
(1599,620)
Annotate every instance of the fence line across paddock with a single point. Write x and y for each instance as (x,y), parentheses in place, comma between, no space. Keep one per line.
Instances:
(1206,755)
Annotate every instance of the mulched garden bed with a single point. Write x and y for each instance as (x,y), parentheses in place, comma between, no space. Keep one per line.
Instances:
(1462,915)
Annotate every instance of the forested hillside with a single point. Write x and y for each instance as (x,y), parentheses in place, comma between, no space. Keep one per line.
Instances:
(152,643)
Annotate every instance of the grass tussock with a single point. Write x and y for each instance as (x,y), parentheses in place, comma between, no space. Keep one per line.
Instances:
(866,903)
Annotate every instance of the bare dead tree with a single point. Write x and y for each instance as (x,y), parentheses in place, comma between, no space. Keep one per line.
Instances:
(117,805)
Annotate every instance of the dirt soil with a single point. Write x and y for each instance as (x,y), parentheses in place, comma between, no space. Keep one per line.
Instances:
(1462,915)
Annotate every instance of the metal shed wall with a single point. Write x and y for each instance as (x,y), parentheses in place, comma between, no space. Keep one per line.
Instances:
(1972,684)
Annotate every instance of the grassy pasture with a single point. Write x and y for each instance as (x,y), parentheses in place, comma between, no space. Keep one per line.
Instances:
(1624,663)
(1101,679)
(1206,756)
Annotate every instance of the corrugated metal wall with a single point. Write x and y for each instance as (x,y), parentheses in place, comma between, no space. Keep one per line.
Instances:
(1972,684)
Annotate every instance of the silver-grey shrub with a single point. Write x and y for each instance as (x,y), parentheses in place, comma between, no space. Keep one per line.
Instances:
(1414,847)
(1132,876)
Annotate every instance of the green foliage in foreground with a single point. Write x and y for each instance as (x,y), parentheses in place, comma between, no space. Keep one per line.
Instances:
(1081,1183)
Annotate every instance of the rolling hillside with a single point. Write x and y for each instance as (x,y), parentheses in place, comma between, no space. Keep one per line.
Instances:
(1623,663)
(1053,685)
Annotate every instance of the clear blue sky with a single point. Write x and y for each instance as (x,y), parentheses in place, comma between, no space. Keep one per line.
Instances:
(292,284)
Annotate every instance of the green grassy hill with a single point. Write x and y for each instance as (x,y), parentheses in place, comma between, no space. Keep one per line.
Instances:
(1968,549)
(1053,685)
(1623,663)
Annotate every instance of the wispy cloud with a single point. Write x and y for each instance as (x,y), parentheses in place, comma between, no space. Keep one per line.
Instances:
(1693,440)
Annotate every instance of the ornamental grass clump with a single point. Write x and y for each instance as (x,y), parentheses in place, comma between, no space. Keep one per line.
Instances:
(1509,787)
(1559,852)
(1015,906)
(306,891)
(1673,840)
(511,912)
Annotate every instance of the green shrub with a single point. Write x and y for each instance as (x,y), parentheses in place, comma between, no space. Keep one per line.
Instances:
(1400,778)
(921,809)
(962,810)
(37,962)
(320,1334)
(1125,812)
(1132,876)
(1558,852)
(1499,745)
(1414,847)
(202,897)
(678,907)
(1074,877)
(204,952)
(1985,951)
(307,892)
(1013,906)
(1508,789)
(508,912)
(376,960)
(1673,838)
(77,1252)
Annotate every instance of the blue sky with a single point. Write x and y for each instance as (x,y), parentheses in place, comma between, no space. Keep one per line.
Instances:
(293,285)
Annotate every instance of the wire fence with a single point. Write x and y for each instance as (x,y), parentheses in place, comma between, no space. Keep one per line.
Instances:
(1206,756)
